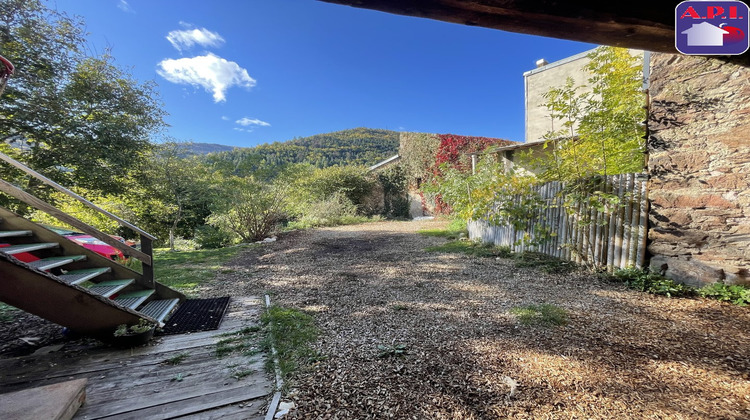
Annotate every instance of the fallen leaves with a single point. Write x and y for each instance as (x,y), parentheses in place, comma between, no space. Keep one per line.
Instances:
(623,354)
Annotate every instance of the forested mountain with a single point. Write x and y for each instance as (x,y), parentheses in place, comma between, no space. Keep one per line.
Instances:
(206,148)
(358,146)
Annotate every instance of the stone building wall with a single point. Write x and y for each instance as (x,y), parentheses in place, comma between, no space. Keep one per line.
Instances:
(699,162)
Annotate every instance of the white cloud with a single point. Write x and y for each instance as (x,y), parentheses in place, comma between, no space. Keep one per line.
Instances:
(252,121)
(213,73)
(185,39)
(224,118)
(125,7)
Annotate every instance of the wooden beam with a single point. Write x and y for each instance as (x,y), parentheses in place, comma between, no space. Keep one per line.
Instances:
(646,25)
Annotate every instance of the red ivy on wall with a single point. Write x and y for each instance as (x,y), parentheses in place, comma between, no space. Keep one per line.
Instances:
(456,150)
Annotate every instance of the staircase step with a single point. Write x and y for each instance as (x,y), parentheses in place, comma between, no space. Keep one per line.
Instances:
(109,288)
(80,276)
(19,249)
(47,263)
(134,299)
(159,309)
(13,233)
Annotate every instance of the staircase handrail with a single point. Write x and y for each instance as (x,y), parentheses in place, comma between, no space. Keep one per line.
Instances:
(71,194)
(145,255)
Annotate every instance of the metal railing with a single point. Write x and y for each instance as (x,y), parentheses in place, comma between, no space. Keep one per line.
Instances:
(145,254)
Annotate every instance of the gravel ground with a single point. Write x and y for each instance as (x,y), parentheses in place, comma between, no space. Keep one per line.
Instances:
(624,354)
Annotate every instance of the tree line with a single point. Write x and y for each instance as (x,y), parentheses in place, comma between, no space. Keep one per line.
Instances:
(88,124)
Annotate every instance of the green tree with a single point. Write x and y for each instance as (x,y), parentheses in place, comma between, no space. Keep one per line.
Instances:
(80,120)
(177,194)
(601,130)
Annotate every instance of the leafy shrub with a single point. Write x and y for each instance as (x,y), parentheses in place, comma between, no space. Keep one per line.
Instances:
(646,281)
(350,182)
(395,200)
(738,295)
(252,210)
(211,237)
(335,210)
(7,313)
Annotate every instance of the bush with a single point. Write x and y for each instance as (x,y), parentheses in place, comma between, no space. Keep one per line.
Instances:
(395,200)
(646,281)
(738,295)
(350,181)
(211,237)
(333,211)
(253,211)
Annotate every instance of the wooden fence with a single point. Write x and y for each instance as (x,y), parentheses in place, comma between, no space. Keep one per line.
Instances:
(614,237)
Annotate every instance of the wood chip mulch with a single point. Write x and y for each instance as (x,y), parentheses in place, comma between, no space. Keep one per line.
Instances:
(623,354)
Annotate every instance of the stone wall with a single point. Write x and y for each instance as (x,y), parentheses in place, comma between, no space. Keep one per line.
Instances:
(699,162)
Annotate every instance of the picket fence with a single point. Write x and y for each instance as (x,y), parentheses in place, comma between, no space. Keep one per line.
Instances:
(614,238)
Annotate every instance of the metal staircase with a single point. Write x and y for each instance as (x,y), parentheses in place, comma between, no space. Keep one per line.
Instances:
(44,273)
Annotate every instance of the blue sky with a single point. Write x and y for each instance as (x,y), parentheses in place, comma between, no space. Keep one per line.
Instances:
(242,73)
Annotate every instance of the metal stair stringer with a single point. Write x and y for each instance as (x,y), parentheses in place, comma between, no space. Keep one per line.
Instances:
(40,234)
(72,306)
(82,294)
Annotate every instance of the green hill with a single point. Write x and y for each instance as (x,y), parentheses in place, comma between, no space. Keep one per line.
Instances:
(358,146)
(206,148)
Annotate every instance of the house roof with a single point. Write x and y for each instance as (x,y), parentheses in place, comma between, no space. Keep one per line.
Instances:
(392,159)
(517,146)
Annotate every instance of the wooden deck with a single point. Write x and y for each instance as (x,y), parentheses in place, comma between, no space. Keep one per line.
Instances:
(139,384)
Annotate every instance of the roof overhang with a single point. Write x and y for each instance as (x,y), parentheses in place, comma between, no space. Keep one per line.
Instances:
(639,24)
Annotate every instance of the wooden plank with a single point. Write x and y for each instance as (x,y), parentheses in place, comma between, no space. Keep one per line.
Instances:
(618,223)
(643,226)
(96,364)
(627,222)
(58,401)
(21,370)
(252,410)
(70,193)
(635,221)
(612,225)
(137,384)
(194,401)
(158,385)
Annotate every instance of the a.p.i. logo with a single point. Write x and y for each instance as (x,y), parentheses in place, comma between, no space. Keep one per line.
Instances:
(712,27)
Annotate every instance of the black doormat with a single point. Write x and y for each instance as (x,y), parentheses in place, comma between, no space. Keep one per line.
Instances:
(196,315)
